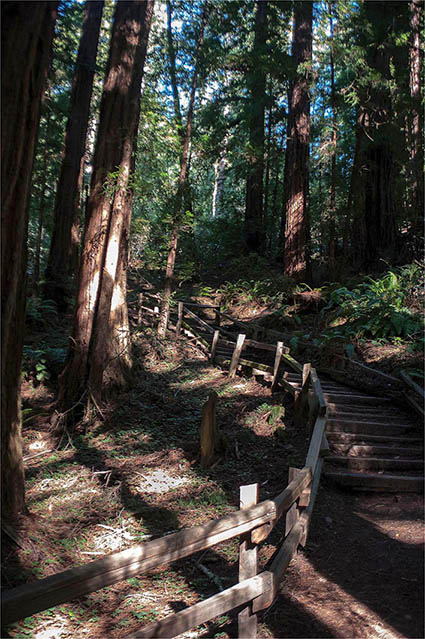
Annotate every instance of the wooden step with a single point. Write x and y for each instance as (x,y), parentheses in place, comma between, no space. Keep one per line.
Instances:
(377,428)
(343,398)
(377,481)
(368,408)
(379,416)
(364,438)
(375,463)
(354,407)
(353,449)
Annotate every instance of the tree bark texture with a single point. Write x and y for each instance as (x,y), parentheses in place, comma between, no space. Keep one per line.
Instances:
(332,208)
(58,272)
(108,212)
(417,120)
(256,81)
(296,180)
(181,186)
(373,198)
(27,33)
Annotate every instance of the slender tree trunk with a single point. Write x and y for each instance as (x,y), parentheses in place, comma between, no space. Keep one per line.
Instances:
(286,172)
(274,208)
(219,172)
(296,256)
(332,208)
(256,79)
(41,208)
(58,272)
(27,33)
(416,133)
(171,259)
(109,209)
(350,214)
(267,175)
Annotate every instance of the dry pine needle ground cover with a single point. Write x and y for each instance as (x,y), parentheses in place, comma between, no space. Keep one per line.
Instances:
(134,475)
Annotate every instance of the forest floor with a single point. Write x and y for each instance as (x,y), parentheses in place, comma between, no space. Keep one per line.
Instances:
(133,473)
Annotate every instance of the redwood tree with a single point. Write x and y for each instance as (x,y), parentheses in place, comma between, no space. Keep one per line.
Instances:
(27,33)
(296,179)
(374,173)
(417,119)
(100,345)
(58,270)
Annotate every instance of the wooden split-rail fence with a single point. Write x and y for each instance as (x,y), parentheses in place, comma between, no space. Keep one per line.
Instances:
(376,440)
(256,589)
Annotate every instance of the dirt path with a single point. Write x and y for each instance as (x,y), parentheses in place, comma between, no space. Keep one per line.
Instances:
(135,475)
(361,574)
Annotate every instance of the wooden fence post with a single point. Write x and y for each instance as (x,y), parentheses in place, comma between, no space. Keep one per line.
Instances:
(139,310)
(248,565)
(214,345)
(236,355)
(279,350)
(179,318)
(301,400)
(293,514)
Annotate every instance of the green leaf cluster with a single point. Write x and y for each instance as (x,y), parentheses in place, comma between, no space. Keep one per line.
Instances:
(387,307)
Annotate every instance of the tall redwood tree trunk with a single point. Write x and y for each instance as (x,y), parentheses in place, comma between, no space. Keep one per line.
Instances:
(417,119)
(58,272)
(296,180)
(332,208)
(27,33)
(108,213)
(256,79)
(373,198)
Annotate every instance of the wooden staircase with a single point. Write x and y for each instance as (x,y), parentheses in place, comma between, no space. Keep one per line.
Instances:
(374,444)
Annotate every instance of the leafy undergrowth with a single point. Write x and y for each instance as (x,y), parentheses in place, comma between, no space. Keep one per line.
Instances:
(379,321)
(135,475)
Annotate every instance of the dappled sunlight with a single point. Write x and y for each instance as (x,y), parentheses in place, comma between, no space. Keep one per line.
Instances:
(58,627)
(158,481)
(338,609)
(400,530)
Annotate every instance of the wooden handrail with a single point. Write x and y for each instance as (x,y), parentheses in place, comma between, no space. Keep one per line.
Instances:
(209,328)
(258,519)
(316,443)
(219,604)
(413,385)
(317,388)
(185,303)
(28,599)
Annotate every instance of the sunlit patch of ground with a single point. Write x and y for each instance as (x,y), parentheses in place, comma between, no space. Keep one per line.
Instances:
(340,612)
(159,481)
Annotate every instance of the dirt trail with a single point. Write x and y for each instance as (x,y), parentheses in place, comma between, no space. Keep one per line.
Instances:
(361,574)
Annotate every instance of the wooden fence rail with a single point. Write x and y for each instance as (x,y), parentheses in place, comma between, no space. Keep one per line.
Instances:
(253,523)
